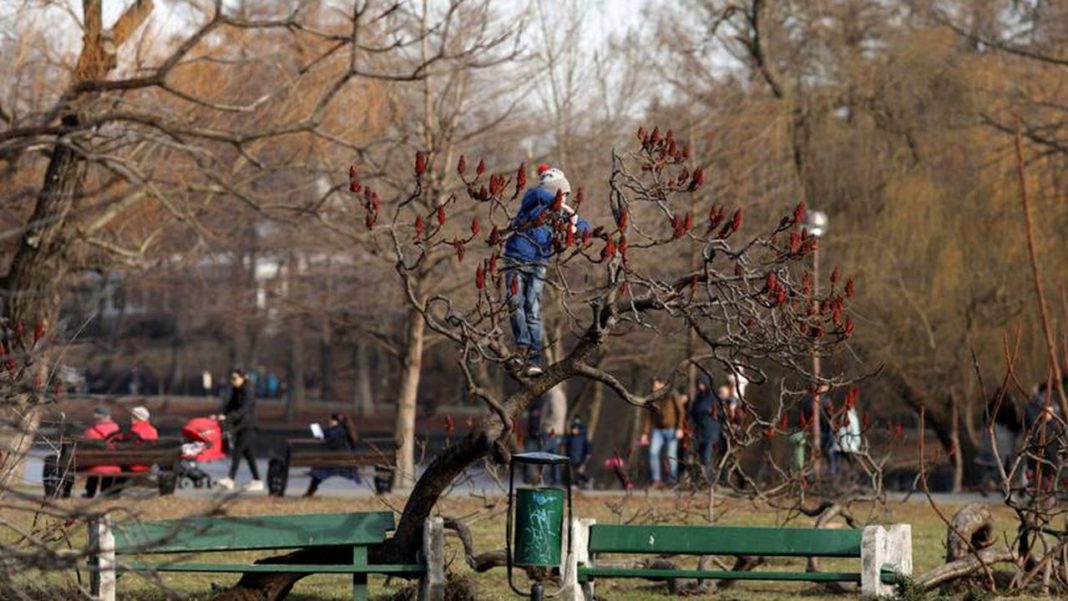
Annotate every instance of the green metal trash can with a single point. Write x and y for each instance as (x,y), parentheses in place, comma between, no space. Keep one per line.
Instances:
(539,525)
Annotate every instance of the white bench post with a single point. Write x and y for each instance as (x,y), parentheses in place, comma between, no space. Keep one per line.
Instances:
(880,547)
(432,585)
(899,548)
(579,556)
(102,559)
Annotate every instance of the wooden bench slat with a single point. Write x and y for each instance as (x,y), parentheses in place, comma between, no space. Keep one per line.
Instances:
(395,569)
(663,574)
(725,540)
(251,533)
(339,460)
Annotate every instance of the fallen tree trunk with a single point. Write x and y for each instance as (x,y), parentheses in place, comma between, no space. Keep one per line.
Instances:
(964,567)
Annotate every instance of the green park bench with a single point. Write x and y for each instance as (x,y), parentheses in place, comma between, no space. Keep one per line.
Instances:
(883,553)
(183,540)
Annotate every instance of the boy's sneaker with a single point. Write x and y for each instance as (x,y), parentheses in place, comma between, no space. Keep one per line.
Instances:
(533,371)
(225,483)
(254,486)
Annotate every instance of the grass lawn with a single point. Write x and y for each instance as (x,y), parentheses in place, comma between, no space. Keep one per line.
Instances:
(486,517)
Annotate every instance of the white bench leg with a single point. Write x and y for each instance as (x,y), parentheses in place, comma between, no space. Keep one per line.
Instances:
(579,556)
(881,547)
(872,558)
(102,560)
(432,585)
(899,548)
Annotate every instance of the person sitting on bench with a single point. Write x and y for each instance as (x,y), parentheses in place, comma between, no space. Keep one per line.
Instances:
(339,435)
(102,475)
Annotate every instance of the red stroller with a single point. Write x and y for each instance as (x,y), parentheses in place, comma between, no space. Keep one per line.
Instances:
(205,444)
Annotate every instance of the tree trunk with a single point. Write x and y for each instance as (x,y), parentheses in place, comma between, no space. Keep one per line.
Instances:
(363,402)
(939,416)
(32,295)
(595,410)
(328,387)
(408,395)
(176,373)
(295,371)
(36,272)
(975,524)
(955,456)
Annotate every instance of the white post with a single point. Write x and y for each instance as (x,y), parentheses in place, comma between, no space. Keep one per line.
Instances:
(432,585)
(579,556)
(872,557)
(899,548)
(102,559)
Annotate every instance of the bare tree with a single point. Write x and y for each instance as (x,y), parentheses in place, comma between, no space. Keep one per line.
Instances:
(747,300)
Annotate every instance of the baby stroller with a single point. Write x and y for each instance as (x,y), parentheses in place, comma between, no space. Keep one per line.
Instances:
(205,444)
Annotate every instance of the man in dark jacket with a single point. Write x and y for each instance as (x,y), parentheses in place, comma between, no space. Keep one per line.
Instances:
(705,414)
(578,449)
(239,417)
(543,214)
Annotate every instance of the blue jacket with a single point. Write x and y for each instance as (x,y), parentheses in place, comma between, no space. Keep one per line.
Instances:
(530,243)
(577,446)
(706,411)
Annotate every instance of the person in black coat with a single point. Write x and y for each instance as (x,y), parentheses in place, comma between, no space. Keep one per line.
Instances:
(706,414)
(239,418)
(578,448)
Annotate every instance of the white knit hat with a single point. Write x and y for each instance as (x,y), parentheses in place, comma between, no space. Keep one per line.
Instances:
(140,413)
(554,181)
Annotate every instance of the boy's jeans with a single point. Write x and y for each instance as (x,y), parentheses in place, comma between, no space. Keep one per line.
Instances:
(525,305)
(660,438)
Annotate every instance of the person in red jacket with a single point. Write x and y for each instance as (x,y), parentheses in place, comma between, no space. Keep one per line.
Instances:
(102,475)
(143,429)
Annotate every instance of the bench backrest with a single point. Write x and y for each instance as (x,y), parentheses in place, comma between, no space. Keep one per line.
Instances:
(88,453)
(725,540)
(316,453)
(251,533)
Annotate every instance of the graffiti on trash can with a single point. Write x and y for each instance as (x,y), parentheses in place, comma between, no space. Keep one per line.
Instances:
(539,534)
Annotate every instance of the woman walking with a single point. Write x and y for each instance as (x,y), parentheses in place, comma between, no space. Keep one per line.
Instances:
(239,418)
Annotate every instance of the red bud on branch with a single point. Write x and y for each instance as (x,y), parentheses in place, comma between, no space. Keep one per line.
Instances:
(698,179)
(461,165)
(799,212)
(481,168)
(480,276)
(441,215)
(420,163)
(609,249)
(475,226)
(521,178)
(736,221)
(420,226)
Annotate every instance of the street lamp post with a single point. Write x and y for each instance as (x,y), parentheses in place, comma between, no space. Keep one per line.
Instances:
(816,226)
